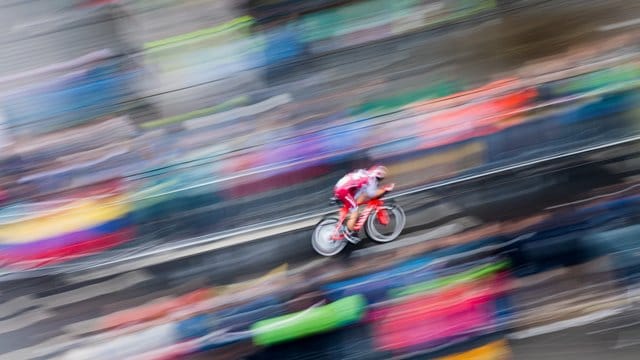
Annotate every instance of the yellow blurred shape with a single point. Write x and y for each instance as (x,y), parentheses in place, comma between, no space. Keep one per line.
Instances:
(81,215)
(498,350)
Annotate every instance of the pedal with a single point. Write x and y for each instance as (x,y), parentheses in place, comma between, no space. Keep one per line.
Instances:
(352,239)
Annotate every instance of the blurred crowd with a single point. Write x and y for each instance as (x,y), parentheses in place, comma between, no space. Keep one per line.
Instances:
(131,124)
(253,119)
(468,295)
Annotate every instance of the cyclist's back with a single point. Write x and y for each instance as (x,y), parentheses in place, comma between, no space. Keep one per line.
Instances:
(354,180)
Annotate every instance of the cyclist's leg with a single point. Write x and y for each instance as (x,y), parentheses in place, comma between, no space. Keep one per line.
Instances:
(353,211)
(347,199)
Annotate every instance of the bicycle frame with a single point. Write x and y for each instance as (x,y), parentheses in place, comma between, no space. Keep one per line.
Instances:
(371,206)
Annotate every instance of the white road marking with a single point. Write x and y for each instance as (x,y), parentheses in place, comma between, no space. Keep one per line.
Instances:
(449,229)
(23,320)
(80,327)
(627,339)
(94,290)
(39,350)
(564,324)
(16,305)
(160,256)
(620,25)
(594,197)
(437,212)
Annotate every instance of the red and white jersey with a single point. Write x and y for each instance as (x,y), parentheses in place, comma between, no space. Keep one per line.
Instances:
(358,181)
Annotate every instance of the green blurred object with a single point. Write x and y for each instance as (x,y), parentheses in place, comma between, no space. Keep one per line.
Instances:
(241,25)
(319,26)
(469,275)
(341,21)
(393,103)
(309,322)
(597,79)
(227,105)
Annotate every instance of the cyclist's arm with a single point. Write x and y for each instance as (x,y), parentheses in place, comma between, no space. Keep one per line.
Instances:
(380,192)
(376,194)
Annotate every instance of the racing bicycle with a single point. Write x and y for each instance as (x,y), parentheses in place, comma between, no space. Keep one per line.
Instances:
(382,222)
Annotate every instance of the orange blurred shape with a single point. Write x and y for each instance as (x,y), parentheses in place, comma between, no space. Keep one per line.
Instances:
(473,113)
(489,90)
(154,310)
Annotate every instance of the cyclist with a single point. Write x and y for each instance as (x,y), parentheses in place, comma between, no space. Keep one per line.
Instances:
(357,187)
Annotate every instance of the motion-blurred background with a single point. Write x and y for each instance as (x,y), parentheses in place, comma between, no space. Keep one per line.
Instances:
(159,157)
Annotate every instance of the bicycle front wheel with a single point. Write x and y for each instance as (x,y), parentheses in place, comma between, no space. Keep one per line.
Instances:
(392,226)
(322,241)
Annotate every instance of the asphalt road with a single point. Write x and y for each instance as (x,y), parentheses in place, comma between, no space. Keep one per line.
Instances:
(616,338)
(40,314)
